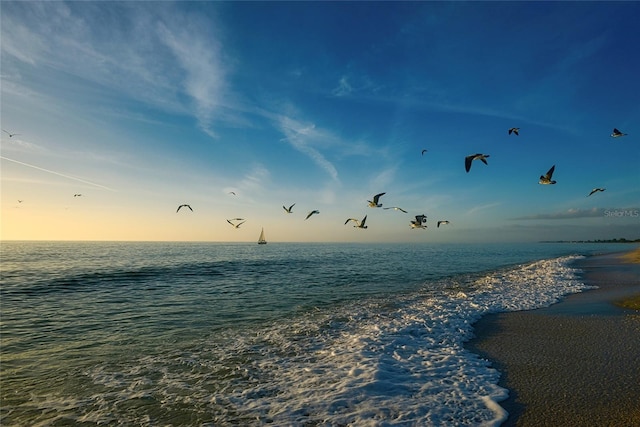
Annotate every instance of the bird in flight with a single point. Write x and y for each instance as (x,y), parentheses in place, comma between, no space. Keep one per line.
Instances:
(359,224)
(419,222)
(288,210)
(514,130)
(184,206)
(311,213)
(374,203)
(595,190)
(546,178)
(424,151)
(236,219)
(445,222)
(11,135)
(233,193)
(79,195)
(19,201)
(616,133)
(395,208)
(472,157)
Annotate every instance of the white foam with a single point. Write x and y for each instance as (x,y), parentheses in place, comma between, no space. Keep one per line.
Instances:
(379,362)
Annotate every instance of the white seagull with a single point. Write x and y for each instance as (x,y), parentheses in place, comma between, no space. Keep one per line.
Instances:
(472,157)
(445,222)
(419,222)
(395,208)
(179,207)
(595,190)
(374,203)
(359,224)
(311,213)
(236,225)
(546,178)
(289,209)
(616,133)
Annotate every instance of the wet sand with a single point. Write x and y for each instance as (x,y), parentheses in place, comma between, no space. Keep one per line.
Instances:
(575,363)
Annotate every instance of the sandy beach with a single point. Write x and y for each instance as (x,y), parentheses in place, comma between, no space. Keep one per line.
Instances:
(575,363)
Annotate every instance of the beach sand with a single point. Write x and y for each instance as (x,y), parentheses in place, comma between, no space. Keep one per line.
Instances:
(575,363)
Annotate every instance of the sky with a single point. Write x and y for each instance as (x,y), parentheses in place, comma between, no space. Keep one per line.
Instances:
(239,108)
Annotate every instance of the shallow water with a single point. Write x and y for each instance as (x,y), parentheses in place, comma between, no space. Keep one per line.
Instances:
(288,334)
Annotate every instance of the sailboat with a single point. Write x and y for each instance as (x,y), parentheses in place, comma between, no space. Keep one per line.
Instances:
(261,240)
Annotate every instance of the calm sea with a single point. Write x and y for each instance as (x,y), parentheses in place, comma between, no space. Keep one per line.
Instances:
(211,334)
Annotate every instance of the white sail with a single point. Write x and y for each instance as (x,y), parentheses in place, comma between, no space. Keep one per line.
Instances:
(262,240)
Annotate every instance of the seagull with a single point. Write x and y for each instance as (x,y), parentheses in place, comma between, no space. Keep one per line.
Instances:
(311,213)
(78,195)
(374,203)
(19,201)
(395,208)
(11,135)
(546,179)
(289,209)
(424,151)
(181,206)
(514,130)
(359,224)
(443,223)
(419,221)
(616,133)
(232,192)
(471,158)
(595,190)
(236,225)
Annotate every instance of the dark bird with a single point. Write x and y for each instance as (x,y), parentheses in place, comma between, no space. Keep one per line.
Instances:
(616,133)
(236,225)
(233,192)
(424,151)
(419,222)
(79,195)
(288,210)
(471,158)
(11,135)
(359,224)
(311,213)
(374,203)
(546,179)
(19,201)
(395,208)
(184,206)
(443,223)
(595,190)
(514,130)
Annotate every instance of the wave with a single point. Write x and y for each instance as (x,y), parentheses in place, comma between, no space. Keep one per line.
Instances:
(393,360)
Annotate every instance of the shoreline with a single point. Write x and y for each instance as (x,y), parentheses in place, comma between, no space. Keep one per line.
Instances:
(576,362)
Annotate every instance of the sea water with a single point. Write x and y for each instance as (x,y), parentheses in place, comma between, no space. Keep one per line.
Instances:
(212,334)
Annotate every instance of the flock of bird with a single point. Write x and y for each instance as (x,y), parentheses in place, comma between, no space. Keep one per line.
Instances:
(420,220)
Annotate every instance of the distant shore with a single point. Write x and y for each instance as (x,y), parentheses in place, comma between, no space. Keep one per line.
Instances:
(576,362)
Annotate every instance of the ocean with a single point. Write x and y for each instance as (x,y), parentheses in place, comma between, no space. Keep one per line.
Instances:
(284,334)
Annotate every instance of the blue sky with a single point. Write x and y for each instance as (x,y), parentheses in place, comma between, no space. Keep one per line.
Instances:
(143,106)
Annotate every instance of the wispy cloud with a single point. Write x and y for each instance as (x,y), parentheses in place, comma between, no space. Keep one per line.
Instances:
(479,208)
(200,59)
(302,137)
(155,53)
(584,213)
(343,88)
